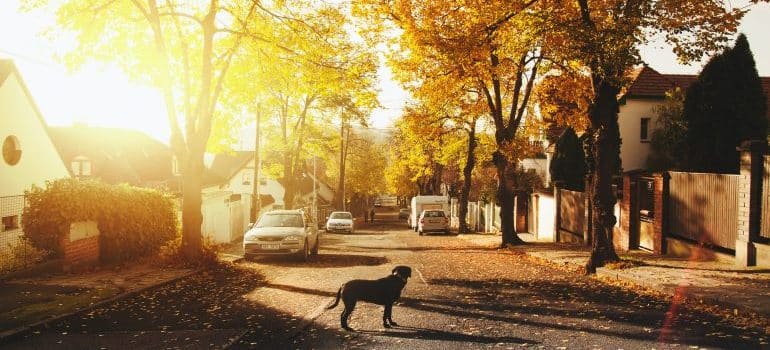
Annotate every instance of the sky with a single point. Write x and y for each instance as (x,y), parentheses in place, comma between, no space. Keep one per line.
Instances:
(105,97)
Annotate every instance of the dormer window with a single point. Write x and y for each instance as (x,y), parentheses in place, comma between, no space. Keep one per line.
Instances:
(175,166)
(247,177)
(81,166)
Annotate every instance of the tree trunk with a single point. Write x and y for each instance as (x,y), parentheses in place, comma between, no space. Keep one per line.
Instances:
(605,148)
(470,163)
(192,219)
(505,195)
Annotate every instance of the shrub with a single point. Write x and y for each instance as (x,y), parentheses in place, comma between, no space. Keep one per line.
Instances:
(132,221)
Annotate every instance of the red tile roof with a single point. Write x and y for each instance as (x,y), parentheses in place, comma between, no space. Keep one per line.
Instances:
(646,82)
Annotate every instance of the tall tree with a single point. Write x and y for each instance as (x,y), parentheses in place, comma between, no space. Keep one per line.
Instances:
(492,46)
(723,108)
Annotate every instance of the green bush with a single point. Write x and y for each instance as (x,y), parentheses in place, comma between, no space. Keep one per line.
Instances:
(132,221)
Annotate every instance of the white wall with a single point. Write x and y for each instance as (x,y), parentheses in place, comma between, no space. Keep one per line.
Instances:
(216,216)
(39,159)
(546,216)
(634,152)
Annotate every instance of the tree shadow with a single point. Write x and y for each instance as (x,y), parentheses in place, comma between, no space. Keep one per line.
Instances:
(323,260)
(436,334)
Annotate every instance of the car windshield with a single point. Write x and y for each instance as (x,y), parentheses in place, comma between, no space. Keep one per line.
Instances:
(280,220)
(434,214)
(341,216)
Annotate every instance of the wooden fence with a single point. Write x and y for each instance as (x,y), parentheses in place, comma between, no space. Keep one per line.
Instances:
(703,207)
(572,212)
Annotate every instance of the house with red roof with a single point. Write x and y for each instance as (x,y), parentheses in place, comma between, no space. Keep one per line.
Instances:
(637,116)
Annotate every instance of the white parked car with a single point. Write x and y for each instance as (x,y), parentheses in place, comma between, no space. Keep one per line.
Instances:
(340,221)
(290,232)
(433,221)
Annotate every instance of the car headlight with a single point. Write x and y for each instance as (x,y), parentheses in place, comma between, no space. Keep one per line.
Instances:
(251,237)
(291,238)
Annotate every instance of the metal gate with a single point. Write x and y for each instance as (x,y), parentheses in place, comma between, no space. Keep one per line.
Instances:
(646,212)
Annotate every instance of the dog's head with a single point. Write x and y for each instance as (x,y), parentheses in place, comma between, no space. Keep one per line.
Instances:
(403,271)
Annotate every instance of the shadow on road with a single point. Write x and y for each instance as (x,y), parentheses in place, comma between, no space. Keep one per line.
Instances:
(436,334)
(324,260)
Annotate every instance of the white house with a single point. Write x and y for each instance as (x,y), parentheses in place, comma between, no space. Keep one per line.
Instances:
(637,117)
(29,156)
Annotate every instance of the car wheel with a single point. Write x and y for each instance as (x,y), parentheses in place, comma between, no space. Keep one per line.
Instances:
(303,255)
(315,247)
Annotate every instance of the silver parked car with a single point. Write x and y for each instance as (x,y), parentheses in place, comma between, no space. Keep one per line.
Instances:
(288,232)
(433,221)
(340,221)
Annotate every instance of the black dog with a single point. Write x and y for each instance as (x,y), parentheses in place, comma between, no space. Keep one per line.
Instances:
(384,291)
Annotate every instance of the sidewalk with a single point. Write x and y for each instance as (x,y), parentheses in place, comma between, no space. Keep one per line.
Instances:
(29,302)
(718,283)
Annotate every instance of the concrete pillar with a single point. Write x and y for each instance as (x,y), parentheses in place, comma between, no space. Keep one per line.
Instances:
(622,240)
(749,200)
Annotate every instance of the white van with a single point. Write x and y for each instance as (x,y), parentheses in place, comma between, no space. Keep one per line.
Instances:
(420,203)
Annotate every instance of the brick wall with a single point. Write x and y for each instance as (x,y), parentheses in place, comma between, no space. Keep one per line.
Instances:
(81,252)
(81,244)
(659,212)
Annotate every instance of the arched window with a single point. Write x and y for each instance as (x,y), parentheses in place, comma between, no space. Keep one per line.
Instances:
(11,150)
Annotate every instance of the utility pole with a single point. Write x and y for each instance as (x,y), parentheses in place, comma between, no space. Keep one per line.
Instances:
(315,192)
(256,202)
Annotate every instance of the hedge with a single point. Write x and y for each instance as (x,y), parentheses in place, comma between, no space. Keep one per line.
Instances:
(132,221)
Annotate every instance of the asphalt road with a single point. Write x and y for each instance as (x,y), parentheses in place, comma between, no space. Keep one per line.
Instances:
(463,295)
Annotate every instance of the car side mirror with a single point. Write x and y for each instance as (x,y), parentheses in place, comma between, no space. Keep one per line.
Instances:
(251,225)
(327,218)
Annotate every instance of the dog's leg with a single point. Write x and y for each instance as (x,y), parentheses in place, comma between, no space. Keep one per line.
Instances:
(387,316)
(346,314)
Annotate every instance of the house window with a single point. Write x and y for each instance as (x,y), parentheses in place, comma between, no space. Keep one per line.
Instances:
(81,166)
(644,134)
(247,176)
(10,222)
(11,150)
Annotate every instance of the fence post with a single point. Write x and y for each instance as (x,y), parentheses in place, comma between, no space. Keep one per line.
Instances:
(557,185)
(749,200)
(660,195)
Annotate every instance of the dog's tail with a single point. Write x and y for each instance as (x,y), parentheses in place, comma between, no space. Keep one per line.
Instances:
(337,300)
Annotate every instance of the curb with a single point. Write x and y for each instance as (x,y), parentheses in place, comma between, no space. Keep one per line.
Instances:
(606,274)
(18,331)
